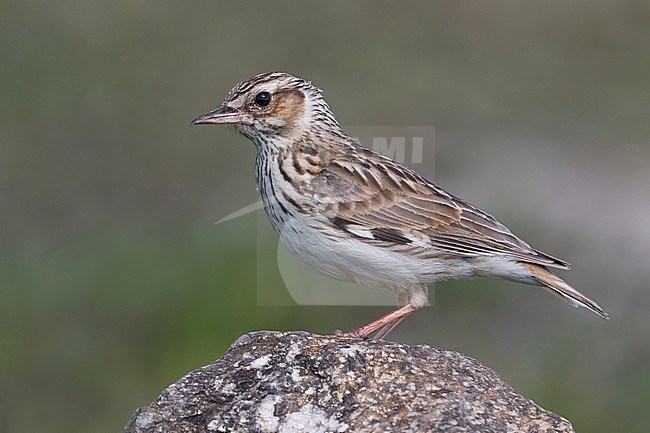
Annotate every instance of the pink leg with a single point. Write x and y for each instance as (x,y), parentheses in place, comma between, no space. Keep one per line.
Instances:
(383,332)
(392,319)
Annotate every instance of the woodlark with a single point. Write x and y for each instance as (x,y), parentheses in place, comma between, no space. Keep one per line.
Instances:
(358,216)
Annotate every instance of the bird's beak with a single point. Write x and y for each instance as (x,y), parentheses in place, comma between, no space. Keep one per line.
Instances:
(223,115)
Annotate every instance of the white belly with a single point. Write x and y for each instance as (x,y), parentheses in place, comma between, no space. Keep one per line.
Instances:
(353,260)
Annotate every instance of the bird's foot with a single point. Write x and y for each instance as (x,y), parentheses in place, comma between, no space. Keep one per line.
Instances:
(357,333)
(385,324)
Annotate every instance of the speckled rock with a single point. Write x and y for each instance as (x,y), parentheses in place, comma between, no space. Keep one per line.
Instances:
(296,382)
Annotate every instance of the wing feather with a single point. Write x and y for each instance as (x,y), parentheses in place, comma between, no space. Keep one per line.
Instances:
(391,205)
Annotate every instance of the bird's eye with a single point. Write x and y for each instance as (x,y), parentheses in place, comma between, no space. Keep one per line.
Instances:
(263,99)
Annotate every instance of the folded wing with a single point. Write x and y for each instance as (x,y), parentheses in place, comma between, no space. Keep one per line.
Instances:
(392,206)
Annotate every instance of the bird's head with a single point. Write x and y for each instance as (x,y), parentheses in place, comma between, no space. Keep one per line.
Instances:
(273,108)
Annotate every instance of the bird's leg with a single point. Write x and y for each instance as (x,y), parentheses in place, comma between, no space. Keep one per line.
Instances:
(392,318)
(383,332)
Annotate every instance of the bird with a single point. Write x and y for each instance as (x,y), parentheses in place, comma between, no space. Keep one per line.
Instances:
(357,216)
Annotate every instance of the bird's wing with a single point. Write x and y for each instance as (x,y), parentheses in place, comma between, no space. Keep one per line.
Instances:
(390,205)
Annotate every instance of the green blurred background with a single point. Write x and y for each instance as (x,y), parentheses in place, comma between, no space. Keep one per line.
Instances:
(115,281)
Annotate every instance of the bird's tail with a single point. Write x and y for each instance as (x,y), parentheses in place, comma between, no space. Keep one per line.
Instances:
(558,287)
